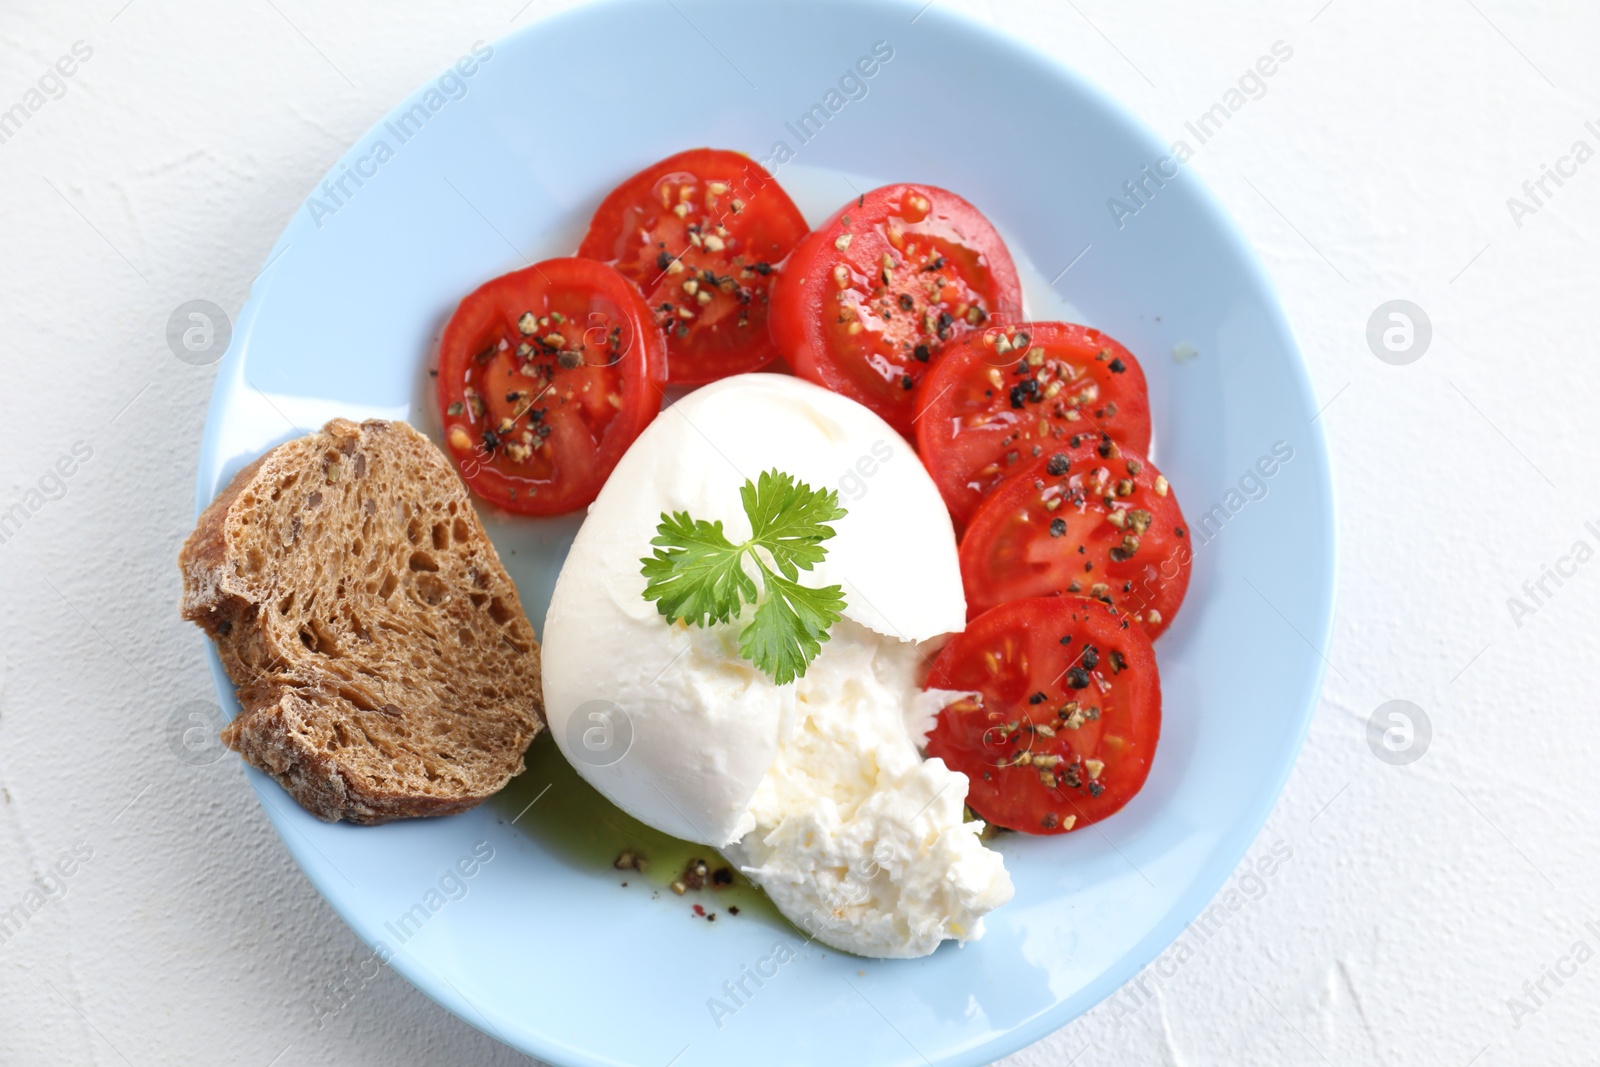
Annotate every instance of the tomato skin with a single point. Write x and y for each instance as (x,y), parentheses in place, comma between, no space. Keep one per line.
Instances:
(1115,534)
(1066,680)
(726,242)
(1003,397)
(930,236)
(533,425)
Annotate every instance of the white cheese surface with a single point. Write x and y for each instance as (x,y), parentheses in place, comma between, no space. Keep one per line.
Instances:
(816,787)
(706,724)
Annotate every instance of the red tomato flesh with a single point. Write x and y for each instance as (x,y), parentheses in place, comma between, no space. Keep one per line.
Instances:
(1068,715)
(869,298)
(546,375)
(700,233)
(1086,519)
(1008,395)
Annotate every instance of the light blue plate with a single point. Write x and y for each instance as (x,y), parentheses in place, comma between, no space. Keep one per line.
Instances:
(481,172)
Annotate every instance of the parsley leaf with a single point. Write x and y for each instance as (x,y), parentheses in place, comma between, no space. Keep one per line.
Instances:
(787,519)
(789,627)
(697,575)
(700,578)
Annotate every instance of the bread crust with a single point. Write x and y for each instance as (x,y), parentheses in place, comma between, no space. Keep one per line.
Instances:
(379,651)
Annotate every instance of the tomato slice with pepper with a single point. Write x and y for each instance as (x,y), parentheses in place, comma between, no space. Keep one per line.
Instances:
(1085,519)
(1000,398)
(546,375)
(1067,717)
(700,233)
(869,298)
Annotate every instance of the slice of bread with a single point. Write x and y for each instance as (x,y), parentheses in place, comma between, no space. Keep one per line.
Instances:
(382,658)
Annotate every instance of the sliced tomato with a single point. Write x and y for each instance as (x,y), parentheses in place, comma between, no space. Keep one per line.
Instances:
(1003,397)
(700,233)
(546,375)
(869,298)
(1085,519)
(1067,716)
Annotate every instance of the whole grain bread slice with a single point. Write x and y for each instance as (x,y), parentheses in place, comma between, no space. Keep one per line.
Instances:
(380,653)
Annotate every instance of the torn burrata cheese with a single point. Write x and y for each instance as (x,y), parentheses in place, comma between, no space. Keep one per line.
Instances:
(817,788)
(858,839)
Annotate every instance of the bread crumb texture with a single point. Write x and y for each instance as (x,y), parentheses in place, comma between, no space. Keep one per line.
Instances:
(381,656)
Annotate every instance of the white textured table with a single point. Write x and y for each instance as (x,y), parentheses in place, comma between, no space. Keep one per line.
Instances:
(1429,912)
